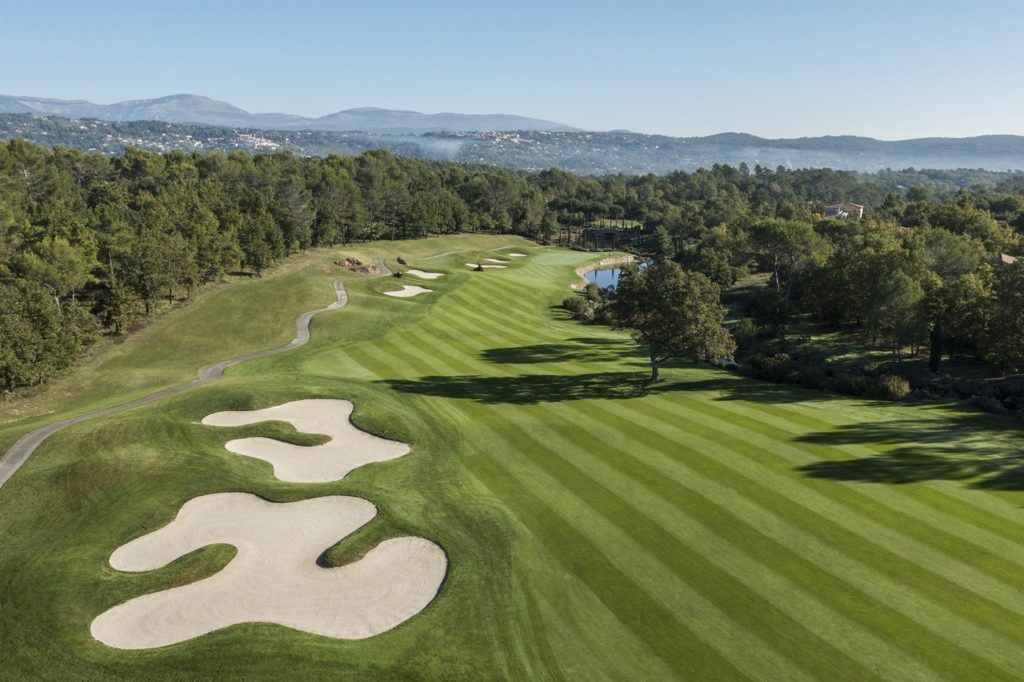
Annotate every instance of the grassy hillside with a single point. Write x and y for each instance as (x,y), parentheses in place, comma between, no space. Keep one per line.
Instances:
(712,527)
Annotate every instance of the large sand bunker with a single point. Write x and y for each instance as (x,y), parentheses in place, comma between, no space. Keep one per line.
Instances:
(408,291)
(274,578)
(474,266)
(424,275)
(348,449)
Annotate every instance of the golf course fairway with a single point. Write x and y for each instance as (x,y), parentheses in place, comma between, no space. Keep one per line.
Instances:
(707,527)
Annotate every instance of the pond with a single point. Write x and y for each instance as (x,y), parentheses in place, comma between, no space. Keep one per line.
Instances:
(608,277)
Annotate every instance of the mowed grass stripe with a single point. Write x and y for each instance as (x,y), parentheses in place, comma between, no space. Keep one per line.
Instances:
(861,592)
(507,327)
(918,610)
(911,512)
(670,551)
(675,547)
(541,501)
(930,609)
(736,547)
(841,505)
(645,616)
(811,417)
(852,507)
(963,502)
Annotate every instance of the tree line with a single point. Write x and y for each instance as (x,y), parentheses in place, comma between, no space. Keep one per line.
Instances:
(91,245)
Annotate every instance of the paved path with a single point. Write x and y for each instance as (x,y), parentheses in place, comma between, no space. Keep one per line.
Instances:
(25,446)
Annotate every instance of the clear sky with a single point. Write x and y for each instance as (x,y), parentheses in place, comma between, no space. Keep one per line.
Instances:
(777,68)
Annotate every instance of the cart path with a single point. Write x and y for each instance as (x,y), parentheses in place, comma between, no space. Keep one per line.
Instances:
(27,444)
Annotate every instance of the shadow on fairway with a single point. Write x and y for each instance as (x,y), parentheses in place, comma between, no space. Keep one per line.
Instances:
(530,389)
(580,349)
(980,448)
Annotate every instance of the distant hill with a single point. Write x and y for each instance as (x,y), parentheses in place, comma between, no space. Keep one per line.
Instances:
(198,109)
(580,152)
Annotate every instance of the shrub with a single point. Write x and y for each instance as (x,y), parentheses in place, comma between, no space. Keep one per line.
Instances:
(849,384)
(593,293)
(580,308)
(745,333)
(574,304)
(777,367)
(988,404)
(889,387)
(401,261)
(809,376)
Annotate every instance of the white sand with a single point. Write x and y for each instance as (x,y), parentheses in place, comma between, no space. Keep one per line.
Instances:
(408,291)
(518,255)
(348,449)
(274,577)
(496,260)
(424,275)
(485,267)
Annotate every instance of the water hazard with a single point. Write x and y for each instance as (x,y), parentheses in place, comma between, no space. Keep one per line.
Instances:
(608,277)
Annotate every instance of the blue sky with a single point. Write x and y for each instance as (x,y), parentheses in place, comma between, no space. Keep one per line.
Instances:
(784,68)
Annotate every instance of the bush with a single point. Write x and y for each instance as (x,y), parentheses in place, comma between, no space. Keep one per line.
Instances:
(777,367)
(401,261)
(593,293)
(809,376)
(744,333)
(574,304)
(849,384)
(988,404)
(889,387)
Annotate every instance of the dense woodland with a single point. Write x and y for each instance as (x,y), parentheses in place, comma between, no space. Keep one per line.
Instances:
(91,245)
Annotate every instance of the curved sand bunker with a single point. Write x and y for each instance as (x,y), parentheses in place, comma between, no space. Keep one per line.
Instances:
(348,449)
(496,260)
(474,266)
(424,275)
(274,577)
(408,291)
(518,255)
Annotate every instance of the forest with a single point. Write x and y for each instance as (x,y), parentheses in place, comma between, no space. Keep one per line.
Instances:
(93,245)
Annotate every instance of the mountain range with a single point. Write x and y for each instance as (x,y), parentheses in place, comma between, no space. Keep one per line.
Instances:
(194,123)
(199,109)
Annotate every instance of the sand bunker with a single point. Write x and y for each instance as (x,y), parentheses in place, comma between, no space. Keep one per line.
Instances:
(496,260)
(274,578)
(348,449)
(424,275)
(474,266)
(408,291)
(518,255)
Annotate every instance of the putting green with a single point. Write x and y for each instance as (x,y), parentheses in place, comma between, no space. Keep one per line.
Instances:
(711,527)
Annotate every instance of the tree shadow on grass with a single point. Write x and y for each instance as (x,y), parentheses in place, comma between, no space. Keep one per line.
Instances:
(579,349)
(530,389)
(960,447)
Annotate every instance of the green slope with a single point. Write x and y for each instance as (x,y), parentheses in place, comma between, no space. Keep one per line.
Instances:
(711,528)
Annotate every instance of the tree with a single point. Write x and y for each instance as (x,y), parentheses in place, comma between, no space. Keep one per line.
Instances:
(1006,331)
(789,248)
(58,266)
(898,314)
(671,313)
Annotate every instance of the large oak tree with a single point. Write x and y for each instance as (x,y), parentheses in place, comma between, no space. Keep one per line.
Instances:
(671,313)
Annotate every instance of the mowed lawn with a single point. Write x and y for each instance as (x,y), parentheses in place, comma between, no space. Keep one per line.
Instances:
(708,527)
